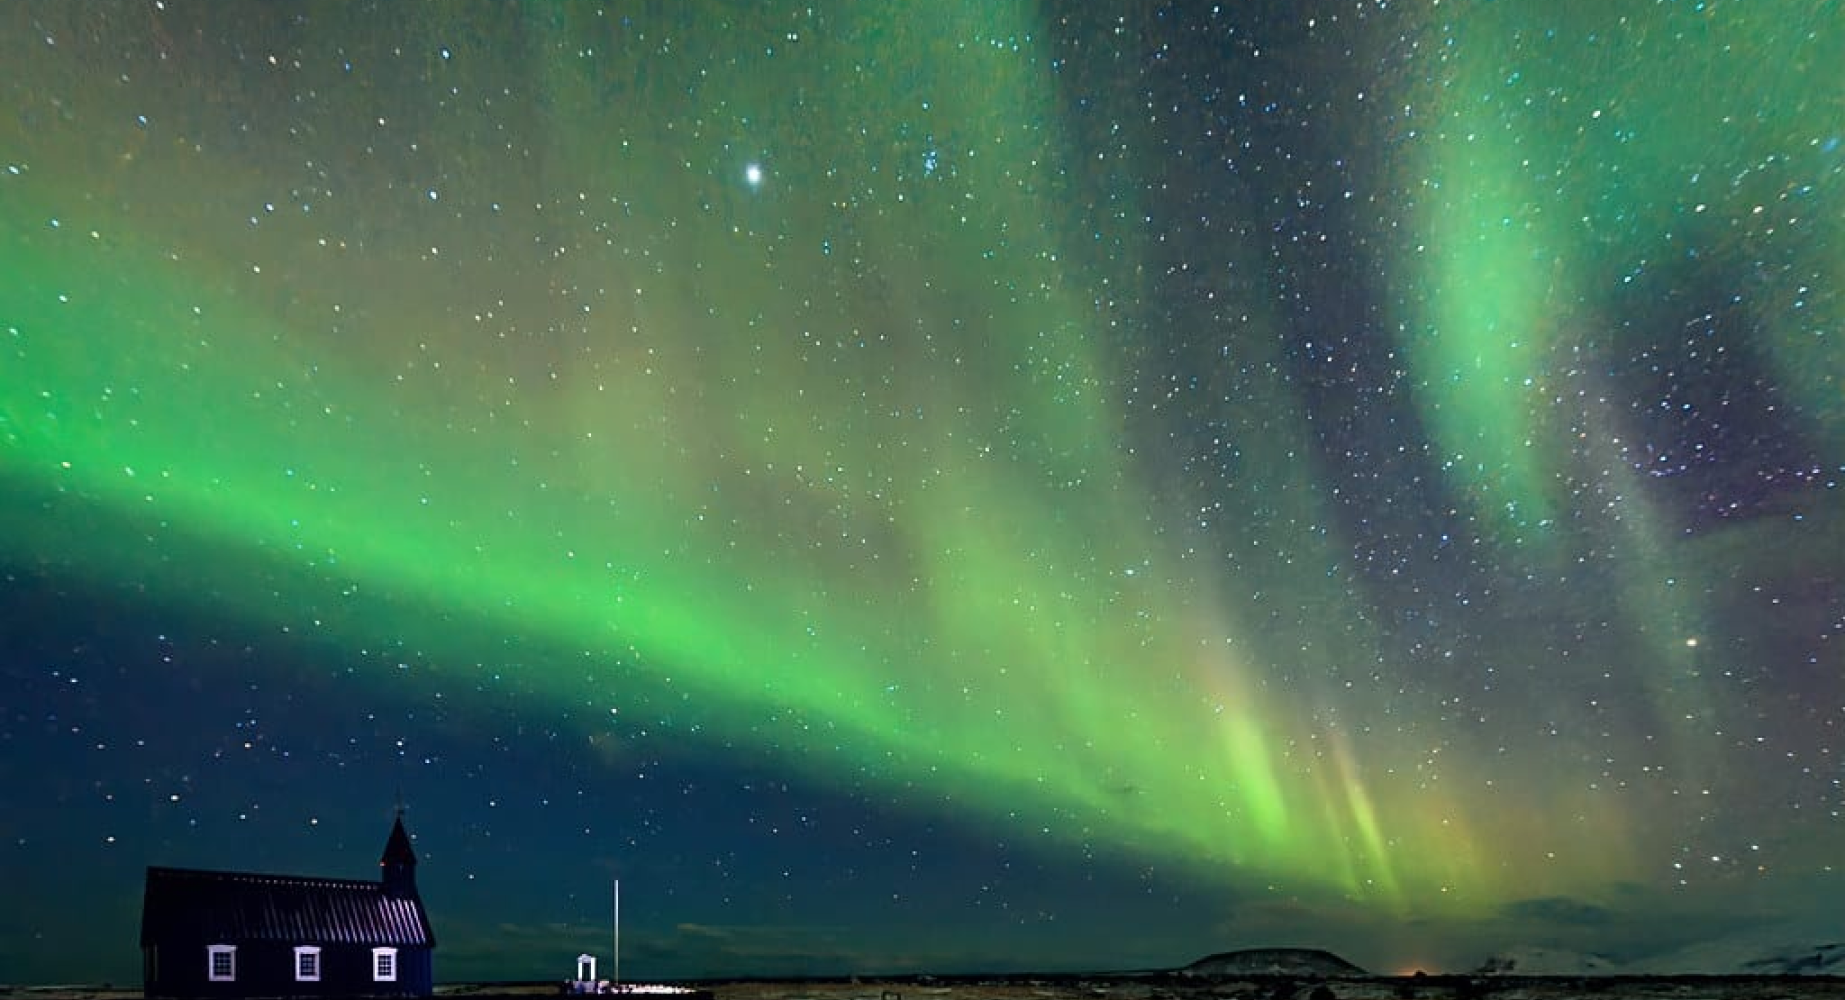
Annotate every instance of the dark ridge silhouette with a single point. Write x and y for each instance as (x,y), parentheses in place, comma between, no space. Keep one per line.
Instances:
(1300,962)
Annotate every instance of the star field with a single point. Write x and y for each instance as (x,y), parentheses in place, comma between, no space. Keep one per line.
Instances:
(928,486)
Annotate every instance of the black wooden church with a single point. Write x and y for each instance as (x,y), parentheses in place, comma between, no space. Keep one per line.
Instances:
(243,934)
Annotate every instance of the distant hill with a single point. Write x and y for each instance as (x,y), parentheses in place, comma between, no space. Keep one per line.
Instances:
(1299,962)
(1822,960)
(1761,954)
(1752,954)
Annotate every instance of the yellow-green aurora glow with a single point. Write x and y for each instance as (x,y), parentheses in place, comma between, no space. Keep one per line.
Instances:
(802,381)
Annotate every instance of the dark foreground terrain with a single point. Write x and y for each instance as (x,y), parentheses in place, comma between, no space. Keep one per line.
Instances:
(1282,988)
(1163,987)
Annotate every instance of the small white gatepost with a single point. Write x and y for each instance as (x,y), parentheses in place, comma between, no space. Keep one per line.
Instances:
(586,970)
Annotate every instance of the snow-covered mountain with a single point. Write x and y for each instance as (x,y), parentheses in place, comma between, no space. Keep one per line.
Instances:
(1823,960)
(1764,952)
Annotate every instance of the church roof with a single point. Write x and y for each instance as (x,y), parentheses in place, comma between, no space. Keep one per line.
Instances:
(184,905)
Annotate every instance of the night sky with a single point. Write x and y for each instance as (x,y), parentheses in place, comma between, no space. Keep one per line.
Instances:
(928,485)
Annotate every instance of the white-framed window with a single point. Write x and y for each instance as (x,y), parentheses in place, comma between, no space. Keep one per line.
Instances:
(221,963)
(384,965)
(307,963)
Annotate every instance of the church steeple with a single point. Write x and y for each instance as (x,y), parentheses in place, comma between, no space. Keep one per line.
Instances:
(399,861)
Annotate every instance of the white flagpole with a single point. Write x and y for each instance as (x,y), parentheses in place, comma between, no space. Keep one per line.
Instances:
(615,969)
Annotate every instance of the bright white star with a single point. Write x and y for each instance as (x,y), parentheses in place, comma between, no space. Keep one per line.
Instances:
(753,174)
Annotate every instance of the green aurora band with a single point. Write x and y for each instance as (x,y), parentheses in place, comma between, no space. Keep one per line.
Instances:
(832,467)
(1578,149)
(1600,151)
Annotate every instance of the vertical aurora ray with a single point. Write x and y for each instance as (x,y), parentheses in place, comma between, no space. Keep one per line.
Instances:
(1491,266)
(1569,173)
(1563,161)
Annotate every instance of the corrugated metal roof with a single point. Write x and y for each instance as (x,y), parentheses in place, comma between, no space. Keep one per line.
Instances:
(184,905)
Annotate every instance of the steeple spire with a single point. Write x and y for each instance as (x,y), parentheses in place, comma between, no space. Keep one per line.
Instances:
(399,860)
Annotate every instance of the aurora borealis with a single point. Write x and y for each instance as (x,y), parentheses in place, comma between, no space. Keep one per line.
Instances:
(928,486)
